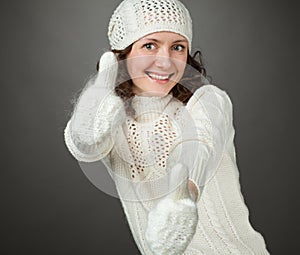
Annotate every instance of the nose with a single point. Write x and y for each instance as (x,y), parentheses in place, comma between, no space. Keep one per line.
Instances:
(163,59)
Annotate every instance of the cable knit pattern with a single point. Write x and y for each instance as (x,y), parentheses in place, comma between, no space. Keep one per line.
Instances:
(217,226)
(223,226)
(223,219)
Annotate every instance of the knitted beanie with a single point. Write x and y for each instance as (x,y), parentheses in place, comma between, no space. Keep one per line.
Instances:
(134,19)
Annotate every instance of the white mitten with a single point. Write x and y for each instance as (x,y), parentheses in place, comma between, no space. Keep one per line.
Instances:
(97,109)
(172,223)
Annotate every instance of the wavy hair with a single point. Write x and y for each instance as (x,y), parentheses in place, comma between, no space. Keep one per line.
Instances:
(192,79)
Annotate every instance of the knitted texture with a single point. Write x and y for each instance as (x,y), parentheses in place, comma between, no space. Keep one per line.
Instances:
(134,19)
(96,115)
(171,226)
(223,225)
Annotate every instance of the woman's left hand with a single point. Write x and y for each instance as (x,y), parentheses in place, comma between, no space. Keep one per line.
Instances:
(172,223)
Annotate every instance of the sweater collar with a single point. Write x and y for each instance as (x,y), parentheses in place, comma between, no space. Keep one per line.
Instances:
(148,108)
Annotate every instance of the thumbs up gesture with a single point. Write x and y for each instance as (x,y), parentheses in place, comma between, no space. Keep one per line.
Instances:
(97,112)
(172,223)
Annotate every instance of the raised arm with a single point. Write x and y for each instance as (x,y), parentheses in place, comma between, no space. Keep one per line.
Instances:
(211,111)
(98,112)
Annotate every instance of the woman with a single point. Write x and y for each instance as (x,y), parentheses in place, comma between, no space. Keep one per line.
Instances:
(165,136)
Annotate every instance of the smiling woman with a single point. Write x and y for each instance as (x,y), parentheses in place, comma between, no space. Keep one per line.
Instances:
(156,62)
(165,136)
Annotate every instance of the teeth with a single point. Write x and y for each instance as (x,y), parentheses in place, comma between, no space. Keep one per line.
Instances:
(158,77)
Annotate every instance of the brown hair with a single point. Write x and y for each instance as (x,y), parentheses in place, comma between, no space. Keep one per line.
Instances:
(192,78)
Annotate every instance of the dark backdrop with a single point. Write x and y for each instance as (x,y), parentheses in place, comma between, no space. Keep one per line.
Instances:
(49,48)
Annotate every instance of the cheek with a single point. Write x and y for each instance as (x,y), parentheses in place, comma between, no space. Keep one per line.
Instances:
(180,62)
(180,66)
(136,66)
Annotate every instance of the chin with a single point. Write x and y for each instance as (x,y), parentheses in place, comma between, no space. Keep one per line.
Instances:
(151,88)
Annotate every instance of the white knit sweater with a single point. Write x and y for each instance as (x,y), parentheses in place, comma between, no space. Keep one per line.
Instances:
(159,133)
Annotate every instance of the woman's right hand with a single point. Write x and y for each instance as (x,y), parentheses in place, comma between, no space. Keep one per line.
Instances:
(108,69)
(89,132)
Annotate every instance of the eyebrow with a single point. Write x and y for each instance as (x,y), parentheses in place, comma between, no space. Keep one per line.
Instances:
(155,40)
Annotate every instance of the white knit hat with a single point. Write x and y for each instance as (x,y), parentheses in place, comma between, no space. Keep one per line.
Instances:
(134,19)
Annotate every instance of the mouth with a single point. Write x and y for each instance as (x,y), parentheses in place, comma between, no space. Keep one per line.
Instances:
(160,78)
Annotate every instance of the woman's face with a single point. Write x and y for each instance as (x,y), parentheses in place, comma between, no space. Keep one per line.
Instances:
(156,63)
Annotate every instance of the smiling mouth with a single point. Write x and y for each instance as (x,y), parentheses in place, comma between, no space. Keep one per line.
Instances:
(159,77)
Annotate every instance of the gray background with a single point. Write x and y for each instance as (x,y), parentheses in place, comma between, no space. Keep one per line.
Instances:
(48,50)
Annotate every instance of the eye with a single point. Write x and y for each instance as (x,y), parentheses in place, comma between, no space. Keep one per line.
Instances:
(179,47)
(149,46)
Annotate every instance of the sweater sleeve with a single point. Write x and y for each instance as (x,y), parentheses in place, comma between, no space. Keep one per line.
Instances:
(89,133)
(211,111)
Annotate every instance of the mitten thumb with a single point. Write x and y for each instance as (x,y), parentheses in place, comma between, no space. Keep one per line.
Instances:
(108,69)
